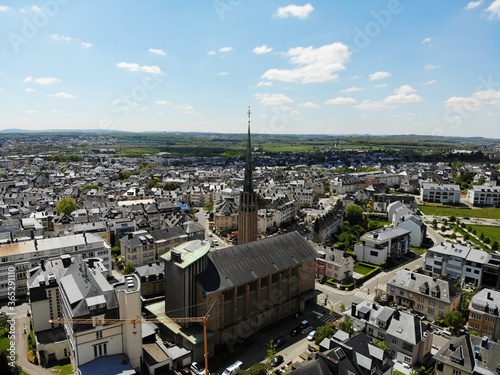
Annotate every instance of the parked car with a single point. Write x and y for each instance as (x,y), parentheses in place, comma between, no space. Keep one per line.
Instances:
(295,331)
(186,371)
(197,368)
(279,341)
(278,360)
(233,369)
(311,336)
(303,324)
(446,334)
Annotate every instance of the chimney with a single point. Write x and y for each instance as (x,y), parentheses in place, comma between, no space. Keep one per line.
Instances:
(42,264)
(176,256)
(130,236)
(452,347)
(353,309)
(485,342)
(489,296)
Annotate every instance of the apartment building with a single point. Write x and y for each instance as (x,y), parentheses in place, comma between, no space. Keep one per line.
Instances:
(460,262)
(484,315)
(70,289)
(18,257)
(423,294)
(409,339)
(484,195)
(378,246)
(440,193)
(143,247)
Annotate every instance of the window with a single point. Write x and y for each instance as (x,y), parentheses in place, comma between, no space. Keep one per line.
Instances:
(430,310)
(421,298)
(456,372)
(253,286)
(264,282)
(241,290)
(98,334)
(228,295)
(374,253)
(275,278)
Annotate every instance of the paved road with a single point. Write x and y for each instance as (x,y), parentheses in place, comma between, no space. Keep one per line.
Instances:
(22,320)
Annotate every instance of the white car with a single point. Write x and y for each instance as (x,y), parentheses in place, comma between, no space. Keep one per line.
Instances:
(197,369)
(312,335)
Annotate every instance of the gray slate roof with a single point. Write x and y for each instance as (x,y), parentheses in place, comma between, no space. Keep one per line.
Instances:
(237,265)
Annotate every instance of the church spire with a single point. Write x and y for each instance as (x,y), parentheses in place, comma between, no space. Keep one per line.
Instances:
(248,183)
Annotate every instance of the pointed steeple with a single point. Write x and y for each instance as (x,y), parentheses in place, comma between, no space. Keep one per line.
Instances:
(248,183)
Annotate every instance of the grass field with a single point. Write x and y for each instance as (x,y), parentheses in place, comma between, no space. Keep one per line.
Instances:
(362,269)
(63,370)
(439,210)
(493,233)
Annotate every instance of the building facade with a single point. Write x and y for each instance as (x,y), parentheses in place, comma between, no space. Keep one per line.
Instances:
(440,193)
(484,314)
(378,246)
(484,195)
(424,295)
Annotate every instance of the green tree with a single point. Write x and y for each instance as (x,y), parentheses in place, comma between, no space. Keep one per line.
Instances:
(5,367)
(271,352)
(326,331)
(354,214)
(494,246)
(90,186)
(256,369)
(209,206)
(346,324)
(454,319)
(342,307)
(129,268)
(65,206)
(481,236)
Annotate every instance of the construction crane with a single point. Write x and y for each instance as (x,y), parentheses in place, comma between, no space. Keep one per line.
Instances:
(138,320)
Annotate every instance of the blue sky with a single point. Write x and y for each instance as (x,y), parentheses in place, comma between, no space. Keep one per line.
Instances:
(314,67)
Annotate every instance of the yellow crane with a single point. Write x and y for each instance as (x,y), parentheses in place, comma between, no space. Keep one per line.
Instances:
(138,320)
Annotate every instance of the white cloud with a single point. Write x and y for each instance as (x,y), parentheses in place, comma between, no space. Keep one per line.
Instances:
(32,111)
(132,67)
(473,4)
(352,89)
(4,8)
(273,99)
(431,82)
(426,40)
(262,50)
(292,10)
(432,66)
(223,74)
(87,44)
(309,105)
(187,109)
(158,52)
(368,104)
(61,38)
(226,49)
(315,64)
(212,52)
(403,94)
(494,9)
(162,103)
(381,85)
(63,95)
(31,8)
(44,81)
(341,101)
(265,83)
(379,75)
(29,89)
(475,102)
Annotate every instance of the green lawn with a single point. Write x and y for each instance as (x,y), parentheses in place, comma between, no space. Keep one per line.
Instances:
(493,233)
(63,370)
(419,250)
(362,269)
(440,210)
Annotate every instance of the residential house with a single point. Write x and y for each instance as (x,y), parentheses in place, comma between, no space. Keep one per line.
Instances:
(423,294)
(378,246)
(468,355)
(484,314)
(334,264)
(408,337)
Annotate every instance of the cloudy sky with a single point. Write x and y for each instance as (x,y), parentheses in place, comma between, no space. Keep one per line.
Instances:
(317,67)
